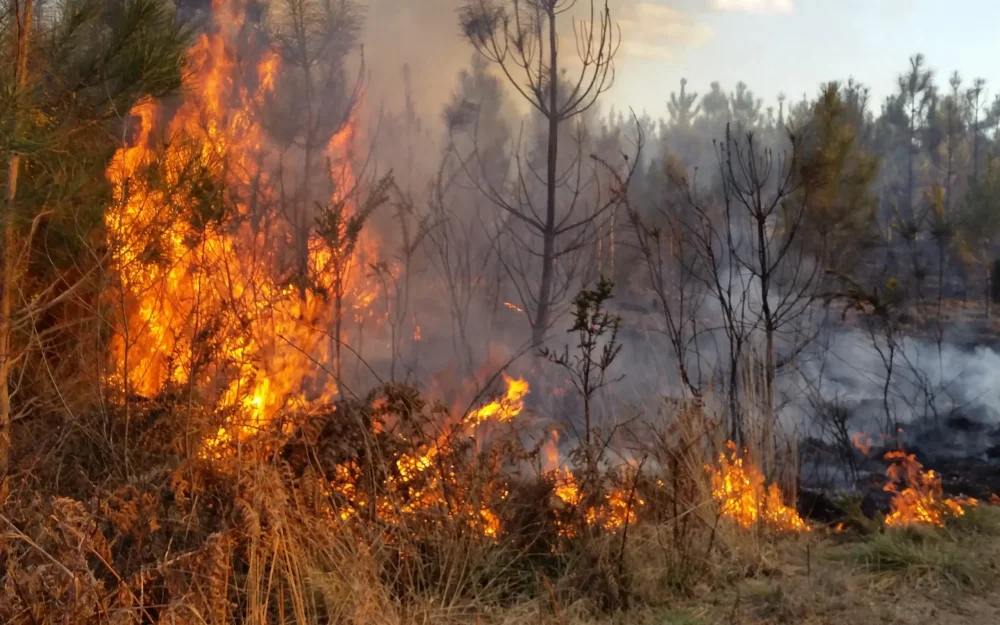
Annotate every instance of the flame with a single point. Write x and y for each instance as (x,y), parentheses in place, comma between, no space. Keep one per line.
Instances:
(616,510)
(198,248)
(513,306)
(422,480)
(739,490)
(917,494)
(550,453)
(618,507)
(863,442)
(612,513)
(504,409)
(564,486)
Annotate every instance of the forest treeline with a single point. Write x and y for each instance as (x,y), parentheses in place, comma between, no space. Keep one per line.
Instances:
(739,218)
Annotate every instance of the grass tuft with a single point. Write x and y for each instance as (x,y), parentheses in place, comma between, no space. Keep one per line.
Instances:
(924,554)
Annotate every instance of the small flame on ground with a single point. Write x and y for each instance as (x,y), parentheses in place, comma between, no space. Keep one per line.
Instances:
(739,489)
(863,442)
(513,307)
(917,497)
(422,483)
(618,507)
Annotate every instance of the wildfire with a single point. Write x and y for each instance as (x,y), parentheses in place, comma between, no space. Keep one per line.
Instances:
(740,492)
(565,486)
(421,483)
(504,409)
(617,508)
(200,249)
(917,495)
(863,442)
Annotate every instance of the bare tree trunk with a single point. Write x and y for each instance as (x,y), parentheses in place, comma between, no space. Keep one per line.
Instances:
(302,221)
(549,236)
(989,290)
(733,392)
(10,256)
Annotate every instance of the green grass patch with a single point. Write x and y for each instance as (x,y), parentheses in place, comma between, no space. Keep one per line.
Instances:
(922,552)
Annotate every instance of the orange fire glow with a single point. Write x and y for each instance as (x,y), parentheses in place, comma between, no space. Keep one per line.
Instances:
(504,409)
(421,480)
(223,288)
(611,514)
(550,453)
(738,488)
(863,442)
(917,495)
(199,248)
(618,507)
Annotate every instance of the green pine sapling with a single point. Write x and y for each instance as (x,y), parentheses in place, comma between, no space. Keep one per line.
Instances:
(588,366)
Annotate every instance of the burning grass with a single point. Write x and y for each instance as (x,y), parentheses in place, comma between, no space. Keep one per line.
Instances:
(917,497)
(391,508)
(739,488)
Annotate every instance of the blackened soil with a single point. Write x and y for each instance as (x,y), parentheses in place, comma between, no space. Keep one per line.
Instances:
(971,477)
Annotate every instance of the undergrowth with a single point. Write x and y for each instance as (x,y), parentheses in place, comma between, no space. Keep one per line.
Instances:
(321,522)
(274,530)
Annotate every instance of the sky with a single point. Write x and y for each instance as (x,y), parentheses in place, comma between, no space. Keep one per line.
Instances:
(789,46)
(792,46)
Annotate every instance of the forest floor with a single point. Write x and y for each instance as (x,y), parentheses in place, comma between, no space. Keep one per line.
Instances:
(940,576)
(890,580)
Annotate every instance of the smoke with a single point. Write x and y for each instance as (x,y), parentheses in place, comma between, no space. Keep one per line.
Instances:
(945,398)
(423,35)
(427,38)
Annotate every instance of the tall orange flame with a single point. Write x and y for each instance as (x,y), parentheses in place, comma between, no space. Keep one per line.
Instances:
(197,234)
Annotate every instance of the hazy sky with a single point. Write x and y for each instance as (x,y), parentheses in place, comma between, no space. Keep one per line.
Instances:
(792,45)
(772,45)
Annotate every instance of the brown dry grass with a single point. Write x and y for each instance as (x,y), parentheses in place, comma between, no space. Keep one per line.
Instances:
(258,538)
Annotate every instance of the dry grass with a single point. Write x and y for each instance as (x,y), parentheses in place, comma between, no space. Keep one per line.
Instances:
(262,537)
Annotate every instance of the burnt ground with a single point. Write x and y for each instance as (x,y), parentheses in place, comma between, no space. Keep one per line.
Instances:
(962,449)
(970,477)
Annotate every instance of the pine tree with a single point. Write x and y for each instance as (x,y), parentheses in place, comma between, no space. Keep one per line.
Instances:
(975,103)
(745,106)
(73,72)
(682,107)
(837,177)
(946,145)
(916,92)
